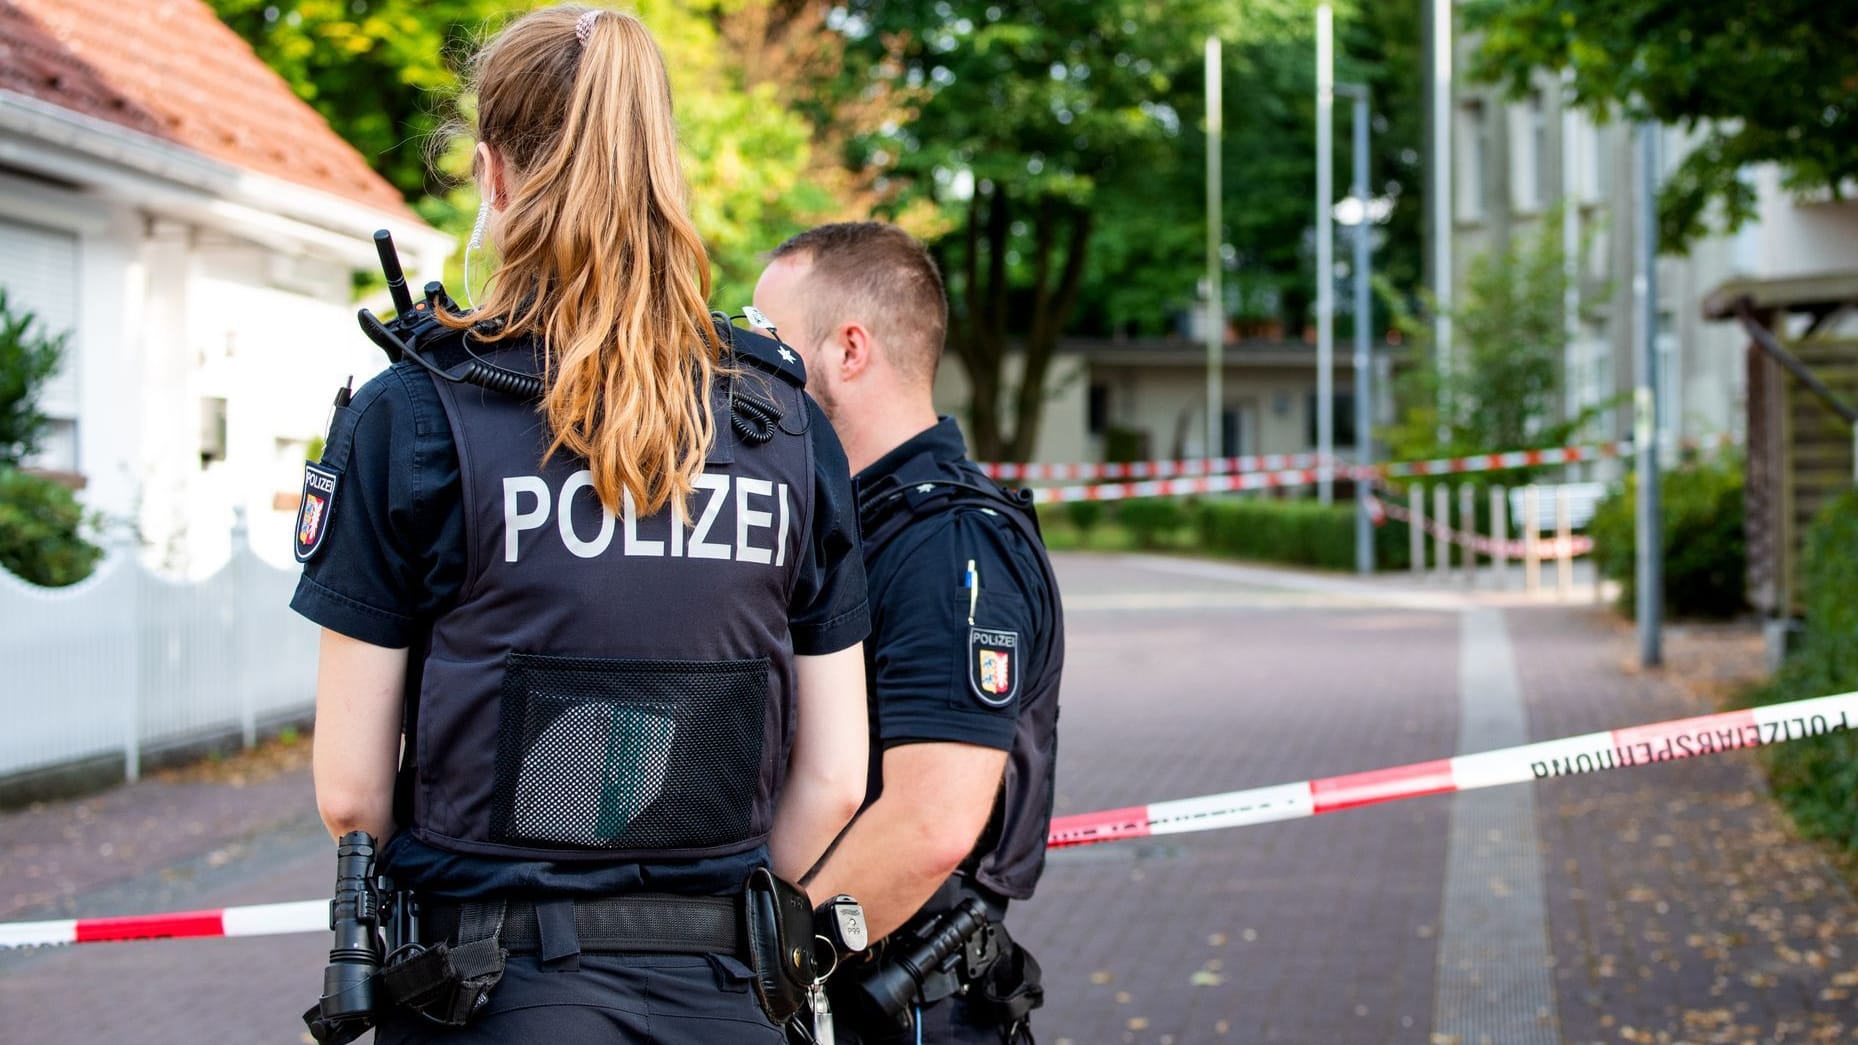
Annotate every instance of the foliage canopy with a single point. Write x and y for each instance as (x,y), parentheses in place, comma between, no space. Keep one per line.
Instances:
(387,75)
(1064,144)
(1504,385)
(1773,82)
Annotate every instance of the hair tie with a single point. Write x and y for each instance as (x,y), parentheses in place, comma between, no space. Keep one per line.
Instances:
(584,26)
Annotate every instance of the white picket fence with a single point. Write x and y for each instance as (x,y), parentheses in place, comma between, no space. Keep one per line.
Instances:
(128,661)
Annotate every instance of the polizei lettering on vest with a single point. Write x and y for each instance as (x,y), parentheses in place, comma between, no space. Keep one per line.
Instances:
(762,511)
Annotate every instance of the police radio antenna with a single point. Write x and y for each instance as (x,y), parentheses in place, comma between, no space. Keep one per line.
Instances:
(415,328)
(390,267)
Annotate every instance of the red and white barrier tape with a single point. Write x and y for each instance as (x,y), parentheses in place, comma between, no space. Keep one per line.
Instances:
(1306,476)
(1591,753)
(1084,471)
(1594,752)
(1182,487)
(270,919)
(1500,461)
(1553,548)
(1198,466)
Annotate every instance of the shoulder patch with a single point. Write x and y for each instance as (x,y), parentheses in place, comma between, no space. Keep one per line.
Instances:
(766,353)
(319,487)
(993,665)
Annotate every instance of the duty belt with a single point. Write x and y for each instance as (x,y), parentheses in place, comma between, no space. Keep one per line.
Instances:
(639,924)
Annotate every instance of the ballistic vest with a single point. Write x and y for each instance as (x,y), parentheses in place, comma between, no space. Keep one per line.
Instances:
(612,686)
(1010,854)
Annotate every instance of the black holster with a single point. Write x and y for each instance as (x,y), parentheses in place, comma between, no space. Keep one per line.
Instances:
(449,983)
(1011,988)
(778,927)
(964,950)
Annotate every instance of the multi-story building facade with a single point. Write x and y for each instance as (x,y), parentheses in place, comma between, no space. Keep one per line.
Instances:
(1515,160)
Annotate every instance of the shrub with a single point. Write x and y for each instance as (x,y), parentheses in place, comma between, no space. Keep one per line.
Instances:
(42,530)
(1152,521)
(1298,533)
(1125,444)
(1705,549)
(28,359)
(1085,515)
(1817,778)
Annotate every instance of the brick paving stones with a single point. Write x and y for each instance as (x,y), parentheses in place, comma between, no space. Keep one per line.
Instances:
(1680,909)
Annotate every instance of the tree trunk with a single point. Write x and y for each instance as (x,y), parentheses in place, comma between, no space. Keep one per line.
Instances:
(982,344)
(1052,309)
(979,326)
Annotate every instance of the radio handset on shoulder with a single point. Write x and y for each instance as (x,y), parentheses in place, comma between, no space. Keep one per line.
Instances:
(416,323)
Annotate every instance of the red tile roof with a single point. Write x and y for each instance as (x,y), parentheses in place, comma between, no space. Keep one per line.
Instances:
(172,69)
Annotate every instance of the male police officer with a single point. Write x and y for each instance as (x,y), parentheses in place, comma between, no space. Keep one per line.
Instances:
(964,659)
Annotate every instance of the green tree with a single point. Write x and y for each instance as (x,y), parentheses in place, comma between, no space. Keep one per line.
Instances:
(28,359)
(1504,388)
(382,72)
(1773,82)
(1032,115)
(386,75)
(1064,143)
(42,525)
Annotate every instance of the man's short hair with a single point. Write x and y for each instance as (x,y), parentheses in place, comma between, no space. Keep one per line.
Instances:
(879,276)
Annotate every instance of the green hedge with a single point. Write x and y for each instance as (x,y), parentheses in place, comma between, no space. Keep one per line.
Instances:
(1817,779)
(42,529)
(1705,549)
(1297,533)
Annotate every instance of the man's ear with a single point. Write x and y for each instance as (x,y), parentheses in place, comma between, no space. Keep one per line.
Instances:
(857,351)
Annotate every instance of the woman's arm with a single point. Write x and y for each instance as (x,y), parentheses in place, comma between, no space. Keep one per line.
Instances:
(357,744)
(826,771)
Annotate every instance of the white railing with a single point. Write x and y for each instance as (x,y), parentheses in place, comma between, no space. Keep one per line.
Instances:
(127,660)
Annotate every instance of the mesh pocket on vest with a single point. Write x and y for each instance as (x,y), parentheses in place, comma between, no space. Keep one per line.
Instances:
(628,754)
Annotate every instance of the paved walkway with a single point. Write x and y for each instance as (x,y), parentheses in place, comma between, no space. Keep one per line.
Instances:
(1664,904)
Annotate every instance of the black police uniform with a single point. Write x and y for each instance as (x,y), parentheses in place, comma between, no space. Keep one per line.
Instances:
(598,706)
(961,655)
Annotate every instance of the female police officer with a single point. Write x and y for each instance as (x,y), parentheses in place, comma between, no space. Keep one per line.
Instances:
(619,629)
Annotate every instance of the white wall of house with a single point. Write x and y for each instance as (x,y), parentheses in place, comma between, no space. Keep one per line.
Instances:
(1272,406)
(1063,429)
(185,307)
(1165,398)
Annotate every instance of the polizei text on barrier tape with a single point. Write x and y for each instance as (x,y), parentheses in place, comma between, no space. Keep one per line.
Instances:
(1591,753)
(1707,739)
(1571,756)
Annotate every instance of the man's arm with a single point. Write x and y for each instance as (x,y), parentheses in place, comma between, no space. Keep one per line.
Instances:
(936,802)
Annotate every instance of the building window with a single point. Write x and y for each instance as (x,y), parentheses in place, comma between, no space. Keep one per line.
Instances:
(1471,147)
(212,430)
(1583,159)
(1344,421)
(1528,153)
(1599,157)
(1097,410)
(1231,438)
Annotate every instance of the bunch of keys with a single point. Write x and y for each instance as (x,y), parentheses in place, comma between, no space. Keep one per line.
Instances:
(822,1011)
(843,931)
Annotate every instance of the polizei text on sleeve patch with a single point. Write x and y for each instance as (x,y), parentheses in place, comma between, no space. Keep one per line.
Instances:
(993,665)
(319,485)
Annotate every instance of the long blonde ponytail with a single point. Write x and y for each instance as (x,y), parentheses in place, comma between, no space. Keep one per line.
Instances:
(600,259)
